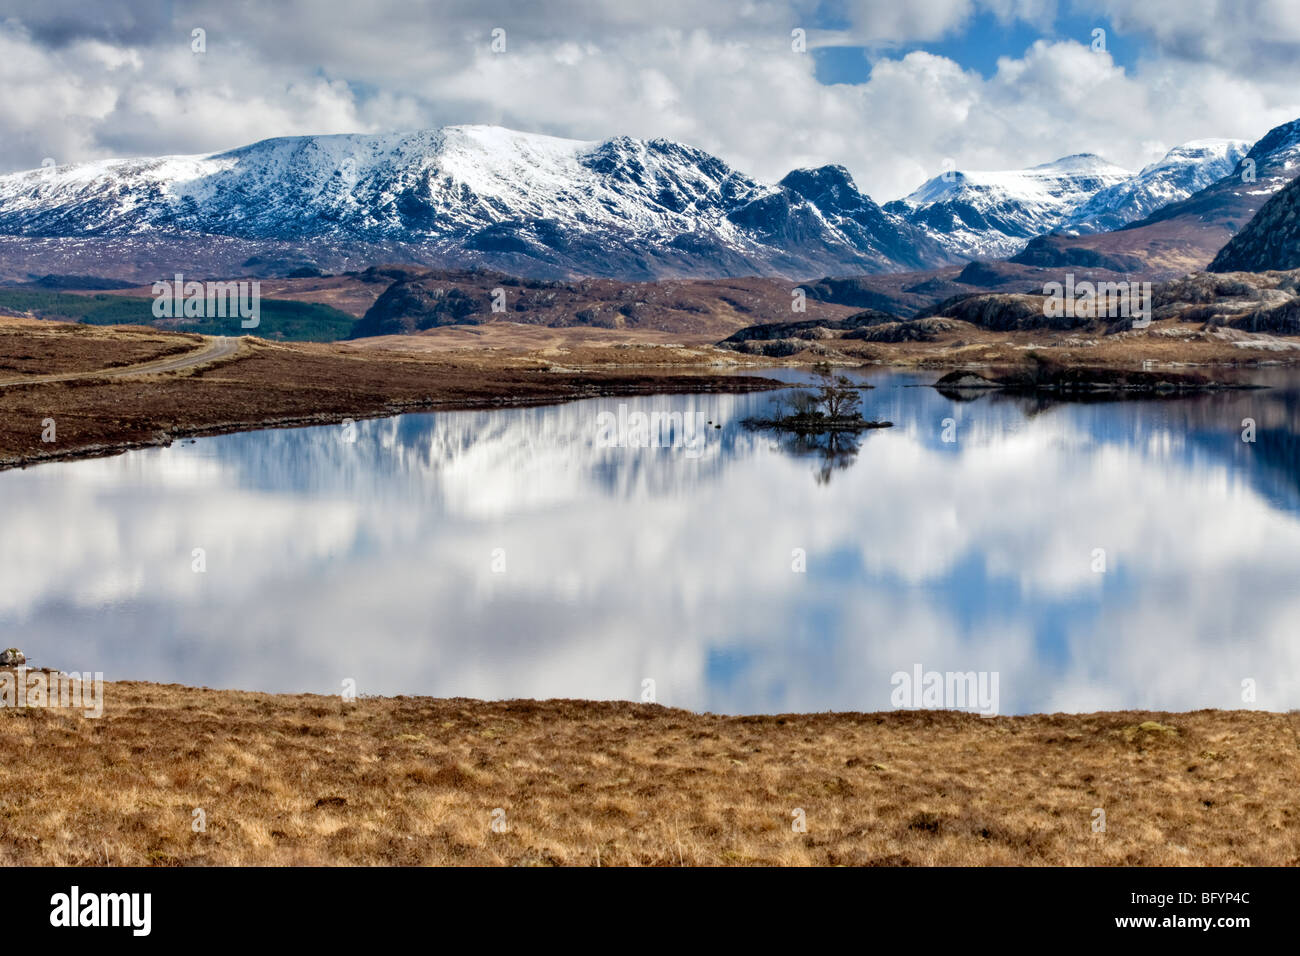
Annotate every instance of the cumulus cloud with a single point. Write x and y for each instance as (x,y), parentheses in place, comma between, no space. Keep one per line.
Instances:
(123,80)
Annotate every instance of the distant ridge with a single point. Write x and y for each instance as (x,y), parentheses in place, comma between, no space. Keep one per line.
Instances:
(479,196)
(542,207)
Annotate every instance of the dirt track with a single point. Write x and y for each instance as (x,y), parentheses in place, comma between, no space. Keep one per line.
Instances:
(239,384)
(212,349)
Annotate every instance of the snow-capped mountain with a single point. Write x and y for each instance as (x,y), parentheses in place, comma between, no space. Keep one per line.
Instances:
(1186,235)
(993,214)
(480,196)
(1269,166)
(543,207)
(1184,170)
(832,192)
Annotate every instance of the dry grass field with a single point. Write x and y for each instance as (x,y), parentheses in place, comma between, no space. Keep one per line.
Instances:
(30,348)
(266,384)
(270,384)
(317,780)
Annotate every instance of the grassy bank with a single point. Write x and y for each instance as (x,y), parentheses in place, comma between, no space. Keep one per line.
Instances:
(311,780)
(270,384)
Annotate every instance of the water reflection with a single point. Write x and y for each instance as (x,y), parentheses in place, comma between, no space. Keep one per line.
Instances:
(374,559)
(831,450)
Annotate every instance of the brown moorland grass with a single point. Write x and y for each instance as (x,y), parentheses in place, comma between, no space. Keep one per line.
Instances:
(267,384)
(32,347)
(316,780)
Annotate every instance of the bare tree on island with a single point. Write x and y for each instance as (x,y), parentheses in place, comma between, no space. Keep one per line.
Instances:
(824,422)
(834,403)
(837,396)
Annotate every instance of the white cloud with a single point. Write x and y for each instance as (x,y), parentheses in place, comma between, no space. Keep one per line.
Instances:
(125,81)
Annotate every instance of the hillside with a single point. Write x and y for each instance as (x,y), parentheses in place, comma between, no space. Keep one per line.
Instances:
(1271,240)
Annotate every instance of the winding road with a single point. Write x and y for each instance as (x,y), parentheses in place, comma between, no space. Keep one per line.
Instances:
(213,348)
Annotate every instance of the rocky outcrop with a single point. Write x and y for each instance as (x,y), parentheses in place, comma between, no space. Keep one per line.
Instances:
(413,306)
(809,329)
(1041,374)
(1270,241)
(1056,252)
(1280,320)
(1003,313)
(913,330)
(780,339)
(856,291)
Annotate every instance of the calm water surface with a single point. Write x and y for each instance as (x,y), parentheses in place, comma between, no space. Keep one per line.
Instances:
(514,554)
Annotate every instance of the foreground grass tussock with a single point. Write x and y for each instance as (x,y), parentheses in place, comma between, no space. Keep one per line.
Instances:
(315,780)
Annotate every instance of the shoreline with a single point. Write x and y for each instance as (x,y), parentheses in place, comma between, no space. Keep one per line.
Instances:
(298,779)
(334,418)
(103,412)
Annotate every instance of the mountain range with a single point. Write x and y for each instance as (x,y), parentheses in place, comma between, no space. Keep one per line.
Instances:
(993,214)
(482,196)
(1184,170)
(1184,235)
(544,207)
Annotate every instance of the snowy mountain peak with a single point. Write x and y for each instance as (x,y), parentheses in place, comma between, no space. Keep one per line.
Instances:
(1182,171)
(994,213)
(1073,173)
(1076,163)
(830,188)
(1204,149)
(478,195)
(1281,140)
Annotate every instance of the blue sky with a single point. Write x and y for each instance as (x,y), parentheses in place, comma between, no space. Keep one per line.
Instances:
(976,44)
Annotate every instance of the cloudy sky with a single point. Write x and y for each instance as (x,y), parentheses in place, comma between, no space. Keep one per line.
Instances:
(891,90)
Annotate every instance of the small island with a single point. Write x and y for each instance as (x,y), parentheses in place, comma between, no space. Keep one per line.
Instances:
(833,406)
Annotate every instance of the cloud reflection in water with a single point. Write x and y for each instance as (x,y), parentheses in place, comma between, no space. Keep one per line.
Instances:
(373,560)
